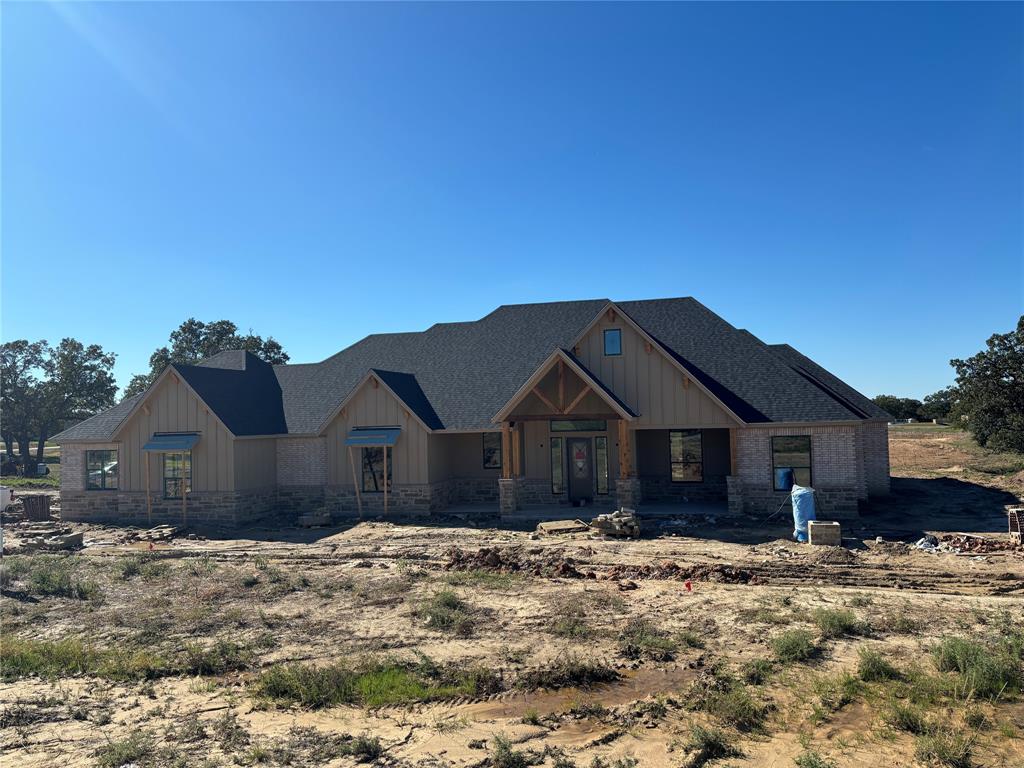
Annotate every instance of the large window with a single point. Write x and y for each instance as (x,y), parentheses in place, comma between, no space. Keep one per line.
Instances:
(101,470)
(557,463)
(613,342)
(492,450)
(177,474)
(579,425)
(791,461)
(601,452)
(373,470)
(687,455)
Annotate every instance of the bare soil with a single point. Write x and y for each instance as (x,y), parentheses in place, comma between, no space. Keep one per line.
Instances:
(719,590)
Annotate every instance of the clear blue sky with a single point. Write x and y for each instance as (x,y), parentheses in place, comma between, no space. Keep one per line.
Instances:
(847,178)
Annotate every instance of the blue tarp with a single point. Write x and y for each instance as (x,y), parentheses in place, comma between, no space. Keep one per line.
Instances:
(371,437)
(803,510)
(172,443)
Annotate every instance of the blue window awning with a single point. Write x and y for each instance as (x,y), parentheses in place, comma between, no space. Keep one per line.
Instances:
(176,443)
(373,437)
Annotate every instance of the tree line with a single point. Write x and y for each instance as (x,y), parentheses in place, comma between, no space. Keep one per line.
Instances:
(987,398)
(45,389)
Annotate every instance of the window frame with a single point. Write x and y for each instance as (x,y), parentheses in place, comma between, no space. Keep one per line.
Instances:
(186,472)
(604,342)
(556,457)
(103,472)
(584,425)
(810,461)
(682,462)
(496,450)
(389,480)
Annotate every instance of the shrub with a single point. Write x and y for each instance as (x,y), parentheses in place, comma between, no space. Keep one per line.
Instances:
(945,748)
(986,673)
(907,717)
(504,756)
(567,671)
(140,565)
(837,623)
(872,667)
(52,576)
(794,645)
(570,621)
(135,747)
(838,691)
(757,671)
(722,696)
(811,759)
(223,656)
(707,744)
(446,612)
(640,639)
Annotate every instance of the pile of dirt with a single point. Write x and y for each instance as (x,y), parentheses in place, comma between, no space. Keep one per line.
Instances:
(668,570)
(537,562)
(833,555)
(964,543)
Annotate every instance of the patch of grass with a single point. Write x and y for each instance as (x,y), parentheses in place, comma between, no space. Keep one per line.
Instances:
(503,756)
(794,645)
(833,623)
(49,576)
(140,565)
(975,718)
(570,620)
(223,656)
(872,667)
(757,671)
(484,579)
(985,672)
(531,717)
(135,747)
(446,612)
(377,683)
(898,624)
(586,709)
(20,657)
(708,744)
(567,671)
(640,639)
(945,748)
(722,696)
(812,759)
(837,691)
(908,718)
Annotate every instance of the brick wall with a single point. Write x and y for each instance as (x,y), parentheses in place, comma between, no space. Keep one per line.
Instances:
(301,461)
(72,463)
(876,457)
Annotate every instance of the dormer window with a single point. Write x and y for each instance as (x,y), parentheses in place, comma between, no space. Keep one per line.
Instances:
(613,342)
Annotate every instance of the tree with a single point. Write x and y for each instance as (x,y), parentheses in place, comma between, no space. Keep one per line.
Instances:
(991,388)
(938,405)
(194,340)
(899,407)
(20,362)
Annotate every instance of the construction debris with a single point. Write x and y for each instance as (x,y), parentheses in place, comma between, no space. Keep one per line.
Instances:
(557,527)
(316,519)
(822,532)
(56,541)
(160,533)
(1014,513)
(622,522)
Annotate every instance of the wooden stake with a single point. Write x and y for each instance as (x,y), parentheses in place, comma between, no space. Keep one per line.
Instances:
(355,482)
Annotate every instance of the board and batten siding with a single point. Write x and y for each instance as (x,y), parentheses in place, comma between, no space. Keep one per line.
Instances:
(649,382)
(376,407)
(255,463)
(173,408)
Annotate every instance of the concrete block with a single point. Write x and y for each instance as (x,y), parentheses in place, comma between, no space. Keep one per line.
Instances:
(825,533)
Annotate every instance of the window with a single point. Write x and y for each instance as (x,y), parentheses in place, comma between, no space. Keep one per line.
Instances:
(177,474)
(579,425)
(791,461)
(613,342)
(557,462)
(601,452)
(373,470)
(492,450)
(101,470)
(686,447)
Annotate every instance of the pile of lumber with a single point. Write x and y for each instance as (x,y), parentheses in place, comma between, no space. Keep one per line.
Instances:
(621,522)
(160,533)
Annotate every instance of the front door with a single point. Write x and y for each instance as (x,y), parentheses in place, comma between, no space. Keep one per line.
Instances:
(581,469)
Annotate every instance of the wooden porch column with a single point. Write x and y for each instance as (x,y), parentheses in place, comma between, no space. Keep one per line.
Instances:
(732,451)
(355,482)
(385,480)
(506,450)
(184,492)
(517,469)
(625,451)
(149,498)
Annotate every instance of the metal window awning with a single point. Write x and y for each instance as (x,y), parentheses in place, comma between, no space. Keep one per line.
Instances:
(175,443)
(373,437)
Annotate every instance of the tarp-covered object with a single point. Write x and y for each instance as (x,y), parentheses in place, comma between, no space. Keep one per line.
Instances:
(803,510)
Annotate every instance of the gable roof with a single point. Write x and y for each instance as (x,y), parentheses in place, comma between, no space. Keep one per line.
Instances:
(457,376)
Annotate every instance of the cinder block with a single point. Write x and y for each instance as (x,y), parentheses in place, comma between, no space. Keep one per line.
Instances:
(824,532)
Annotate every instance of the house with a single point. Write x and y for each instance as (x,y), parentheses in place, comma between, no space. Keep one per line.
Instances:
(602,402)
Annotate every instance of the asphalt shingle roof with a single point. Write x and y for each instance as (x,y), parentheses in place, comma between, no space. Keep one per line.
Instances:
(459,375)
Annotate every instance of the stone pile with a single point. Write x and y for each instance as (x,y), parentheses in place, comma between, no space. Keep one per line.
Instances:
(622,522)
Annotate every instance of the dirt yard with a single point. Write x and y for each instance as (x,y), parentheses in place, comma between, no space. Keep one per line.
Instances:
(706,642)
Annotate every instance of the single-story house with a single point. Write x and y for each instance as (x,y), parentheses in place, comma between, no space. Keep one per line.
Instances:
(602,402)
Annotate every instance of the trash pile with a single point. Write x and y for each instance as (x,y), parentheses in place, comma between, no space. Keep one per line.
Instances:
(621,522)
(964,543)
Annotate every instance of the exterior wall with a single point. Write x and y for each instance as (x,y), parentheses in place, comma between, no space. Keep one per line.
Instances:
(173,408)
(654,467)
(457,473)
(255,463)
(301,461)
(376,407)
(649,382)
(216,509)
(876,457)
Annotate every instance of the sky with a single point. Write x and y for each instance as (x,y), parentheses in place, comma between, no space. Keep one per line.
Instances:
(845,178)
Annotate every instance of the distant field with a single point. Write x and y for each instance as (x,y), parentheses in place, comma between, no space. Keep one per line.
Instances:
(51,456)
